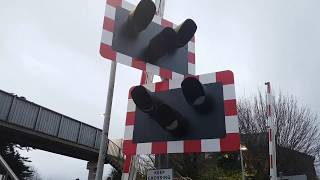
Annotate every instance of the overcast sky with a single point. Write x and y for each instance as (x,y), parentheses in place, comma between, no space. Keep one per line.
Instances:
(49,53)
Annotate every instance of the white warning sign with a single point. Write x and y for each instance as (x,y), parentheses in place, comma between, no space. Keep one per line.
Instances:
(159,174)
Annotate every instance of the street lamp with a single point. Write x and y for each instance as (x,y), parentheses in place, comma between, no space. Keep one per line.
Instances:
(242,148)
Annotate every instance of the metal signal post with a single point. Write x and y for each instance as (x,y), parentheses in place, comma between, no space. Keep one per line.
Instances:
(105,131)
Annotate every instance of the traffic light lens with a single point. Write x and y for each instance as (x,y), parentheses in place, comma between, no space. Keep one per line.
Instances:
(174,125)
(198,101)
(142,99)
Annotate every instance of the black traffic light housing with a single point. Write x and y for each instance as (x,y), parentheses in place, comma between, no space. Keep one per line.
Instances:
(137,36)
(192,111)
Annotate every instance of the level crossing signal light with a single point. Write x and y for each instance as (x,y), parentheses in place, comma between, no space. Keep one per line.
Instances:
(136,35)
(193,111)
(167,40)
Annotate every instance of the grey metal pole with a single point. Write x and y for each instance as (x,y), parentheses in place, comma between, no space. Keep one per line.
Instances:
(242,166)
(105,131)
(160,7)
(162,159)
(8,170)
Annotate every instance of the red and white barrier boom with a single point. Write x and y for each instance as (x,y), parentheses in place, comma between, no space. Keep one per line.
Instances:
(272,135)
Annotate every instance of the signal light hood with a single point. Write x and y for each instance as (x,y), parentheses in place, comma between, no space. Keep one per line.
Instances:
(195,94)
(141,17)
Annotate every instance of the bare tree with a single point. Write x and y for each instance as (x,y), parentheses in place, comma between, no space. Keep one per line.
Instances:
(144,163)
(297,126)
(35,175)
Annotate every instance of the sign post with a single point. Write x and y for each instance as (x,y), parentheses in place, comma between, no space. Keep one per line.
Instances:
(106,122)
